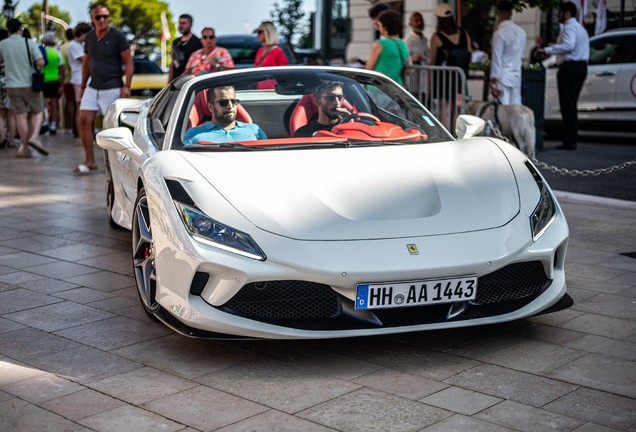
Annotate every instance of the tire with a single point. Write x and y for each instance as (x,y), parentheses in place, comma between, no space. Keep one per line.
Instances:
(144,256)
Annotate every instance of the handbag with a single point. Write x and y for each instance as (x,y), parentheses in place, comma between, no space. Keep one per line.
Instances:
(37,83)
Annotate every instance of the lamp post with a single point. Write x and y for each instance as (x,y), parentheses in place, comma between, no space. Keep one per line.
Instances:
(8,10)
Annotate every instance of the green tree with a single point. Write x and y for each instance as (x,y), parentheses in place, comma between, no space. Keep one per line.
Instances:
(288,18)
(34,20)
(140,21)
(20,16)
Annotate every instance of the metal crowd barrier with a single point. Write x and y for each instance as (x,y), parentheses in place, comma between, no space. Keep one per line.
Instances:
(441,89)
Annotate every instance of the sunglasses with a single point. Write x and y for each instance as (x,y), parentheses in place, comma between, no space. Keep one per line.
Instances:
(226,102)
(101,17)
(332,98)
(260,31)
(204,37)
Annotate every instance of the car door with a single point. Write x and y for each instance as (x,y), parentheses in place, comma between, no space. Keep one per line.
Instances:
(597,100)
(626,85)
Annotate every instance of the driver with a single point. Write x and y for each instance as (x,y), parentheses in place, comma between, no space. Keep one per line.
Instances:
(223,127)
(328,99)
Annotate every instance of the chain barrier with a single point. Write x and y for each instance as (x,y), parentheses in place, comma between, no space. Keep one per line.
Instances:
(565,171)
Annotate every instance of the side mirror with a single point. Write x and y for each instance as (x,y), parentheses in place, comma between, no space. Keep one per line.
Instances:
(120,140)
(467,126)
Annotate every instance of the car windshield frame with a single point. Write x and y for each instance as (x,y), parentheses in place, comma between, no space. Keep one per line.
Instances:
(415,119)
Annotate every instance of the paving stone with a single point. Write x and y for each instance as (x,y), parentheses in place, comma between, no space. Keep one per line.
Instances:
(103,281)
(628,292)
(48,286)
(602,325)
(519,353)
(82,404)
(369,410)
(30,343)
(84,365)
(58,316)
(509,384)
(400,383)
(461,401)
(591,427)
(142,385)
(130,292)
(589,284)
(597,407)
(602,373)
(83,295)
(113,333)
(78,251)
(274,421)
(460,423)
(114,304)
(594,272)
(627,278)
(549,334)
(7,326)
(620,263)
(21,416)
(5,396)
(42,388)
(610,305)
(336,365)
(527,419)
(277,384)
(136,312)
(61,270)
(204,408)
(16,278)
(580,294)
(6,270)
(606,346)
(12,371)
(120,263)
(36,243)
(129,418)
(22,260)
(6,287)
(167,354)
(21,299)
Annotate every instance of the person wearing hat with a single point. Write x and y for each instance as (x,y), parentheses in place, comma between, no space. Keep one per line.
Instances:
(508,50)
(19,65)
(450,46)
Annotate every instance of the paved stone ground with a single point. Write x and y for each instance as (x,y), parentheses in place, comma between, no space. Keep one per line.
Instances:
(77,352)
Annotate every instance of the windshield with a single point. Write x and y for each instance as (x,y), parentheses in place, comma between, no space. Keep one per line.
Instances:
(295,108)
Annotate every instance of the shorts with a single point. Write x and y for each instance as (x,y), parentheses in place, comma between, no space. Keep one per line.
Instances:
(98,100)
(51,89)
(69,92)
(24,100)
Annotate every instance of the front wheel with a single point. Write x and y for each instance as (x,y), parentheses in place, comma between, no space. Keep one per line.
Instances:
(144,255)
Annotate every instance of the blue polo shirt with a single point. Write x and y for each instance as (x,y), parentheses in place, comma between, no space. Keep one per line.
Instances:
(214,133)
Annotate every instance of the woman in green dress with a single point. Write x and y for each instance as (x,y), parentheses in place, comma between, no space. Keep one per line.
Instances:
(389,54)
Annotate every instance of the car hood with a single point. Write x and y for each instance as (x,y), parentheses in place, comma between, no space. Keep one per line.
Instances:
(368,192)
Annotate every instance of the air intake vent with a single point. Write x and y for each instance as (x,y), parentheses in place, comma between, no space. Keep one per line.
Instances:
(198,283)
(178,193)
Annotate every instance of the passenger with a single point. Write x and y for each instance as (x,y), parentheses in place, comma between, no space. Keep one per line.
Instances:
(328,99)
(223,127)
(211,58)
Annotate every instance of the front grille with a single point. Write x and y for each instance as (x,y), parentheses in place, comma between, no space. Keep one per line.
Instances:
(286,299)
(515,281)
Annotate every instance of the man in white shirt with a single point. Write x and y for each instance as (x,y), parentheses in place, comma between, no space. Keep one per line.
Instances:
(508,50)
(417,44)
(574,45)
(76,57)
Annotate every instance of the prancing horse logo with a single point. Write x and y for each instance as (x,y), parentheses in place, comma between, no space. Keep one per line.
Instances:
(412,249)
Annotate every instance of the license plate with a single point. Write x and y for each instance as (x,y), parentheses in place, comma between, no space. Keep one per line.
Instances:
(416,293)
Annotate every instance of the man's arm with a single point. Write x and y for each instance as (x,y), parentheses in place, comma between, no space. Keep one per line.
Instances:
(127,58)
(567,45)
(86,72)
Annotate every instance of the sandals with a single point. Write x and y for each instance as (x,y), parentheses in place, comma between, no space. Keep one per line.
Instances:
(4,143)
(82,169)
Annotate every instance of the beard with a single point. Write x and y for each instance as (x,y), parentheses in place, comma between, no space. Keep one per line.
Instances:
(225,119)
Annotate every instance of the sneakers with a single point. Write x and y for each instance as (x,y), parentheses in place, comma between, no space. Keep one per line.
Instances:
(53,128)
(44,129)
(37,145)
(24,152)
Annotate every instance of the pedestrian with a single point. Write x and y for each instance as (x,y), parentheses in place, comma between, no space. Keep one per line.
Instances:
(508,50)
(210,58)
(68,104)
(21,56)
(53,80)
(389,54)
(270,53)
(450,46)
(374,13)
(183,47)
(574,44)
(76,57)
(7,138)
(105,49)
(419,50)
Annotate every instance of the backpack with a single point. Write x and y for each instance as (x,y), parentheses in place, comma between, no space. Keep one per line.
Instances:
(456,55)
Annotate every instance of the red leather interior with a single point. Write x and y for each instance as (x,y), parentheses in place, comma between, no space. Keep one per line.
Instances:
(200,109)
(306,109)
(278,142)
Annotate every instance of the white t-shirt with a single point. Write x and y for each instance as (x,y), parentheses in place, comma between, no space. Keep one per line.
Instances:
(75,52)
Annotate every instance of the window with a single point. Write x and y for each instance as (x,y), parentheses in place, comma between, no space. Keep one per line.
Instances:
(607,50)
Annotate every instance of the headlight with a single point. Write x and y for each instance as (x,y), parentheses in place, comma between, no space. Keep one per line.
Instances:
(204,228)
(545,212)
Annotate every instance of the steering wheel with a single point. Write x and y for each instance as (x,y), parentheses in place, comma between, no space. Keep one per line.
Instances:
(362,117)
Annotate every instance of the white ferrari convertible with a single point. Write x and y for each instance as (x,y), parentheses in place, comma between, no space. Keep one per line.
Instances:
(304,202)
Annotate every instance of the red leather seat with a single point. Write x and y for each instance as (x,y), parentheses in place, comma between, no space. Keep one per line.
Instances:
(200,109)
(306,109)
